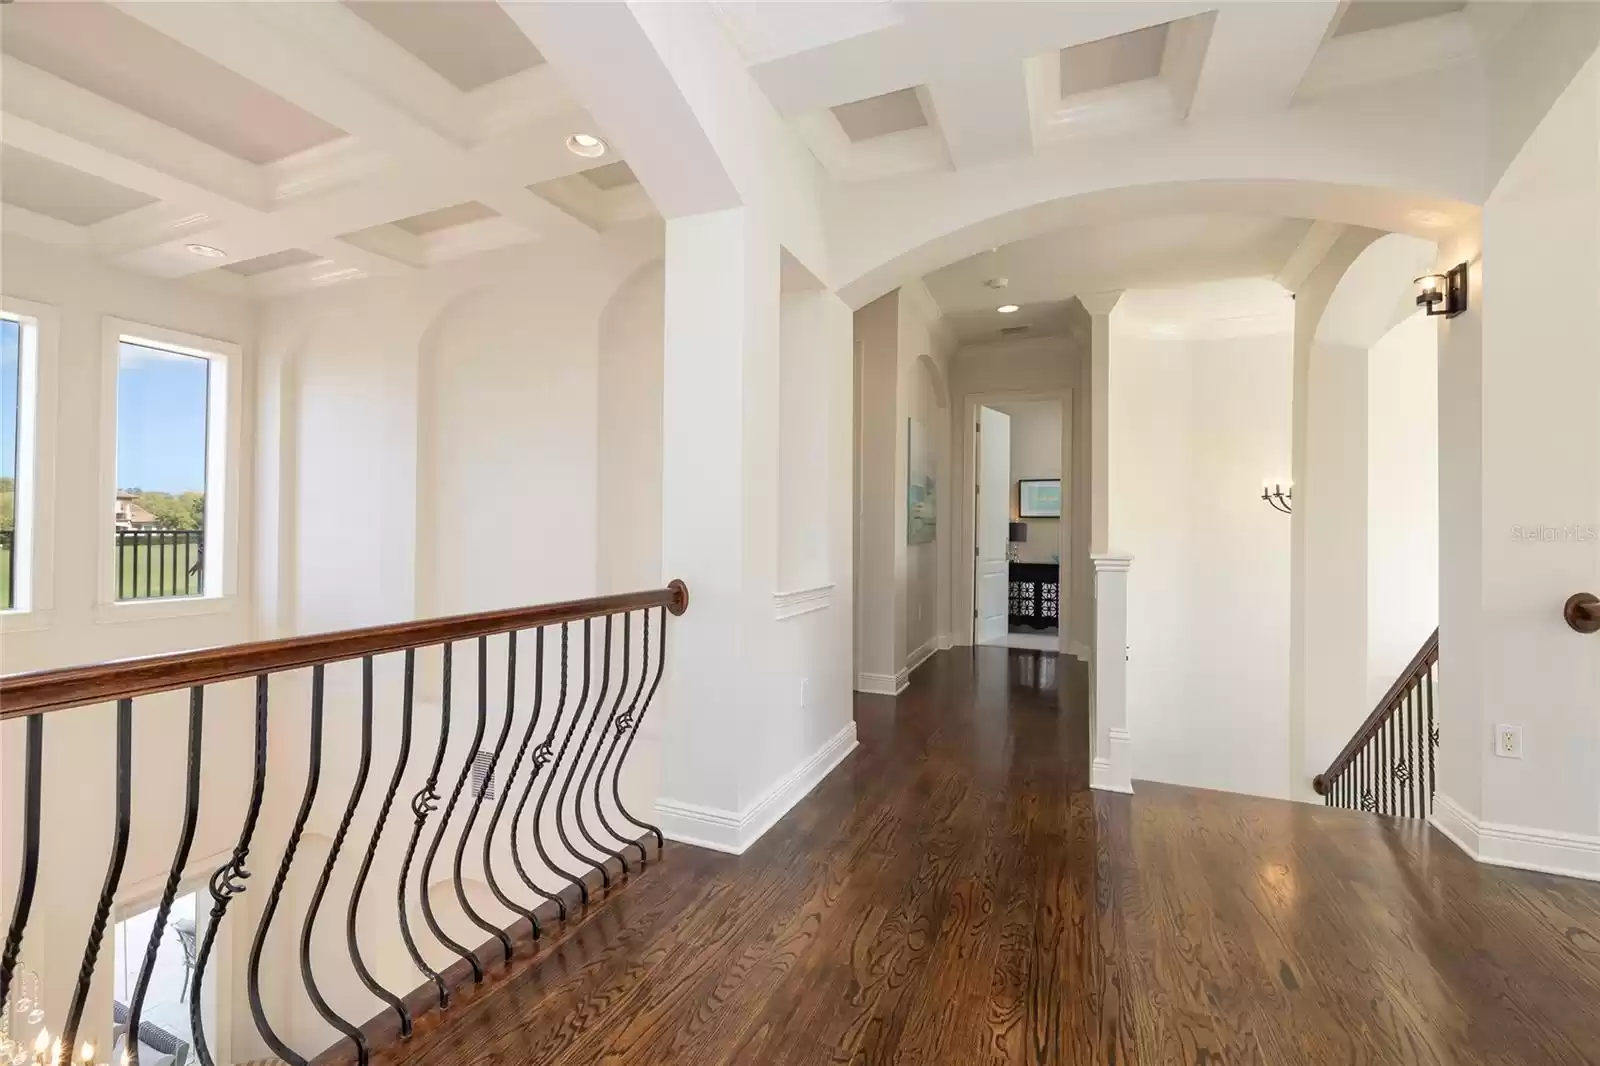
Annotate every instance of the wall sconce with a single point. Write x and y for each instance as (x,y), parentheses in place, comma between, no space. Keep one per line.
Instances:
(1443,294)
(1279,498)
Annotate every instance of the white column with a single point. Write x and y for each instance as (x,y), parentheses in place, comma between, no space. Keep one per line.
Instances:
(1099,305)
(1112,768)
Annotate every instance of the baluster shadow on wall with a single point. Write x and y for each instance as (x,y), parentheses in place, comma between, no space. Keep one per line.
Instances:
(424,801)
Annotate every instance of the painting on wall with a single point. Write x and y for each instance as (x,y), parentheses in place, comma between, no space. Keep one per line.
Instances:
(922,509)
(1039,498)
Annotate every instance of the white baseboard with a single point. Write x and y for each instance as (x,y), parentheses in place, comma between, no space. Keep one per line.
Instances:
(881,684)
(945,643)
(1519,847)
(1078,650)
(921,655)
(735,831)
(1113,771)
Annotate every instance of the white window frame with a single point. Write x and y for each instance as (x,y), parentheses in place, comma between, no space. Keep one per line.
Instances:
(224,402)
(34,544)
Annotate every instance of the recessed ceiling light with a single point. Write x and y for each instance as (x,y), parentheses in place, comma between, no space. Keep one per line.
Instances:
(998,283)
(206,250)
(1006,309)
(587,145)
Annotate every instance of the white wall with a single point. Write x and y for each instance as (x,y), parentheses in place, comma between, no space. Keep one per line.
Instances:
(1402,498)
(628,495)
(1036,453)
(924,349)
(78,628)
(1198,418)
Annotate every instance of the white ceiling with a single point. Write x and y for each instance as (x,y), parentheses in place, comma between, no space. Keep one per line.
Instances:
(1001,81)
(1044,272)
(309,142)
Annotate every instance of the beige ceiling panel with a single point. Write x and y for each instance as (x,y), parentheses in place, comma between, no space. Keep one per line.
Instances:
(60,192)
(877,116)
(1113,60)
(469,43)
(446,217)
(261,264)
(98,48)
(1362,15)
(611,176)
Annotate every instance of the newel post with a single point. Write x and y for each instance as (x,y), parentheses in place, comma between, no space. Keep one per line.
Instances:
(1112,768)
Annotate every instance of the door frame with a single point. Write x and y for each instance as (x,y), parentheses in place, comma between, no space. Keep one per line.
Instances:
(964,559)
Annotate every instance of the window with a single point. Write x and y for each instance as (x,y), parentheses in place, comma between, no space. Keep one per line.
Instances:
(19,345)
(166,507)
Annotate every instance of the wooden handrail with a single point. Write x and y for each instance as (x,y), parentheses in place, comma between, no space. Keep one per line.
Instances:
(75,686)
(1426,656)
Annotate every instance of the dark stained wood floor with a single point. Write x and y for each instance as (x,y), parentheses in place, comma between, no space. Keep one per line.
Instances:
(954,894)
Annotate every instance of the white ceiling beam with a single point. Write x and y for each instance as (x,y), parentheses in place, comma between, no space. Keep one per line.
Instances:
(609,62)
(1313,248)
(287,64)
(984,112)
(1258,55)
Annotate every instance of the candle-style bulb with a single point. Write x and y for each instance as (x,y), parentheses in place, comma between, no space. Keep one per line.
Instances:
(42,1043)
(86,1053)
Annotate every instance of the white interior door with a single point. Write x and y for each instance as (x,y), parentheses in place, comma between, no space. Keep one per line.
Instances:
(992,585)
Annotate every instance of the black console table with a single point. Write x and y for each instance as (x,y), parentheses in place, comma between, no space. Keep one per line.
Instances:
(1035,594)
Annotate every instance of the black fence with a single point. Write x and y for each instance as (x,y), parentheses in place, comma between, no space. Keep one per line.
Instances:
(157,563)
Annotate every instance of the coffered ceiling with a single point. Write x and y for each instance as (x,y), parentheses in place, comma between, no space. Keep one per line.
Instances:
(308,143)
(881,89)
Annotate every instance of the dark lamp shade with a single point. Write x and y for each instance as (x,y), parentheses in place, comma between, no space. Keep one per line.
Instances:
(1019,532)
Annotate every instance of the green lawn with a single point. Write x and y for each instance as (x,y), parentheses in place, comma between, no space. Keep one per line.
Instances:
(153,571)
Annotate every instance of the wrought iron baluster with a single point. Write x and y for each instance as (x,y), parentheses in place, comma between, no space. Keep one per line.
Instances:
(477,801)
(622,723)
(28,877)
(577,758)
(422,805)
(308,976)
(661,663)
(228,881)
(307,798)
(444,824)
(511,776)
(544,755)
(1433,736)
(494,761)
(180,859)
(395,1002)
(108,888)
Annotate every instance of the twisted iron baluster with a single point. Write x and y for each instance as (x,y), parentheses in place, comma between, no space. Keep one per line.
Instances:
(307,976)
(608,743)
(394,1001)
(32,801)
(621,728)
(229,879)
(577,758)
(477,801)
(544,754)
(180,859)
(422,805)
(494,760)
(108,888)
(444,824)
(253,969)
(516,764)
(616,787)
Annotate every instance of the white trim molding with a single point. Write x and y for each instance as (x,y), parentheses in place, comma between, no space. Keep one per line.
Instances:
(1519,847)
(881,684)
(802,601)
(1078,650)
(918,657)
(734,831)
(1112,767)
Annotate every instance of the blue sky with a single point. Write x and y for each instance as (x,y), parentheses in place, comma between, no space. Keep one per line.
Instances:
(161,420)
(10,339)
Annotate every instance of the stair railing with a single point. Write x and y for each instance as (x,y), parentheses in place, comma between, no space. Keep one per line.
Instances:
(563,737)
(1388,765)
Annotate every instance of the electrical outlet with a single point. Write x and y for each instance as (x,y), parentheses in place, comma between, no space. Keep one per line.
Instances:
(805,692)
(1508,741)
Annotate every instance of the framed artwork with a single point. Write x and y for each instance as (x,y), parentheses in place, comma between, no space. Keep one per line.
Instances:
(1039,498)
(922,497)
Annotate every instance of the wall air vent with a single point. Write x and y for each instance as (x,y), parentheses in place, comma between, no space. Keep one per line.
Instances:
(1012,331)
(483,775)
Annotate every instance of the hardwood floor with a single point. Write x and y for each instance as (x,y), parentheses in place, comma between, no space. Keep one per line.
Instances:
(954,894)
